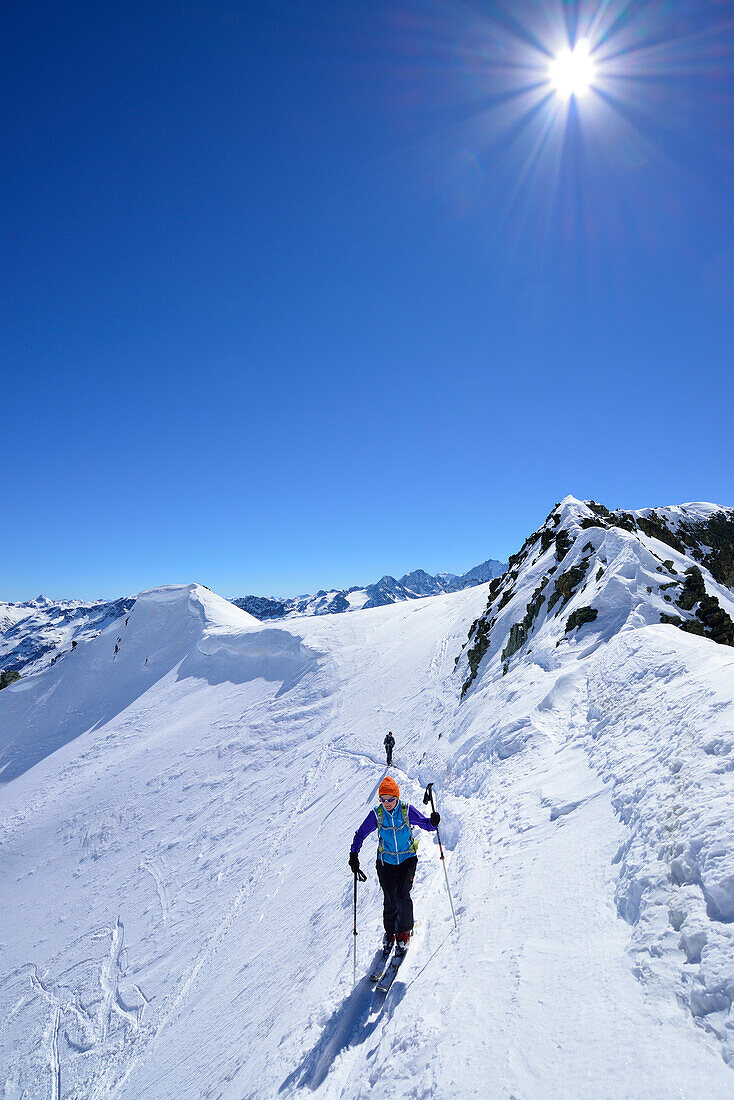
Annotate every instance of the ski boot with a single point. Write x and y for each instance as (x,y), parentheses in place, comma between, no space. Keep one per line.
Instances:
(401,943)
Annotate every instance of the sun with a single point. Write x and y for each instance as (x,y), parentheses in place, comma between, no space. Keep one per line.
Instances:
(572,72)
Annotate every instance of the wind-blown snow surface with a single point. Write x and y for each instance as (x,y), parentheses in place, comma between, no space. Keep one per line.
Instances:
(177,906)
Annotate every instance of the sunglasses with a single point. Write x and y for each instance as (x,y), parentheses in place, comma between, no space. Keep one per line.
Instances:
(393,799)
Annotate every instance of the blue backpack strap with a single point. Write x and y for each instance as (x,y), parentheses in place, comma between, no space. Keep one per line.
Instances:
(406,819)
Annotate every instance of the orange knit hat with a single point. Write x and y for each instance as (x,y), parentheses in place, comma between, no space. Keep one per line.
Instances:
(389,788)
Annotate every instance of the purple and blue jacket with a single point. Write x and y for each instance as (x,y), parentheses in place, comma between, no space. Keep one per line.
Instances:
(396,842)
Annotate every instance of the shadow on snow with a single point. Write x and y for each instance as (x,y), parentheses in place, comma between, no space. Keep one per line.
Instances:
(351,1024)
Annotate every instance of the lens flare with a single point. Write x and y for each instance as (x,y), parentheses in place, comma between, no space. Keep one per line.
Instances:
(555,117)
(572,72)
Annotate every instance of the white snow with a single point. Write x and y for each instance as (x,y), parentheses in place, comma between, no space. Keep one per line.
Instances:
(174,830)
(357,599)
(36,633)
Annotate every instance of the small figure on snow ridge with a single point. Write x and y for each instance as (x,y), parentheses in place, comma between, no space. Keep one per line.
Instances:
(389,744)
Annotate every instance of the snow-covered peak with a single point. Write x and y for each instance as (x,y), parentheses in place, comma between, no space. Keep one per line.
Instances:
(186,631)
(34,635)
(571,507)
(588,573)
(198,600)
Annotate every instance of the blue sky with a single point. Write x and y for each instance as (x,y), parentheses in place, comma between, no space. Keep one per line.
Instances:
(297,294)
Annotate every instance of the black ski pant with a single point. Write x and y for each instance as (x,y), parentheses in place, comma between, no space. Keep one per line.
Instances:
(396,880)
(389,757)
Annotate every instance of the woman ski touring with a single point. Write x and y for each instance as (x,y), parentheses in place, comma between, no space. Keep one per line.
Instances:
(396,859)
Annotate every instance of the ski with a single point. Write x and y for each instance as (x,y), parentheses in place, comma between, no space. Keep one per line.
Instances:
(390,973)
(380,965)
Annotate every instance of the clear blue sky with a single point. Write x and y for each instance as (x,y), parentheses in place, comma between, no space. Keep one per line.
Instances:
(299,293)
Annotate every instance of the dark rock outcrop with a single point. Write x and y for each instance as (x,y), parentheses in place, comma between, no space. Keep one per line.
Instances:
(580,616)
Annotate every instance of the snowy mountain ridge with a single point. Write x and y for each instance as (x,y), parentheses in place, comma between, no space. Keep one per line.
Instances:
(178,795)
(592,598)
(35,633)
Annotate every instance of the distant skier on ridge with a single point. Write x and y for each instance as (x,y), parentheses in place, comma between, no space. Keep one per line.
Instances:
(389,743)
(396,859)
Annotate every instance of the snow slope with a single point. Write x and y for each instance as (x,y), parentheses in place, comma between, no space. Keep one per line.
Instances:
(176,818)
(37,632)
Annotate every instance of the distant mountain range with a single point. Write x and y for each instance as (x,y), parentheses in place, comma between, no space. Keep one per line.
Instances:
(34,634)
(411,586)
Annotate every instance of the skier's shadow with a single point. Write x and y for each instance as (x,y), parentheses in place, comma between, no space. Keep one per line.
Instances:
(352,1023)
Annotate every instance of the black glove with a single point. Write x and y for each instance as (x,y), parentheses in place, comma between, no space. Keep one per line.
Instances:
(354,863)
(435,818)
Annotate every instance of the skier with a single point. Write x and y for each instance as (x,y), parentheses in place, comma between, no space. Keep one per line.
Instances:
(396,859)
(389,744)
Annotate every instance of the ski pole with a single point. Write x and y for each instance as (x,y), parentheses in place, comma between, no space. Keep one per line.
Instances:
(363,878)
(428,797)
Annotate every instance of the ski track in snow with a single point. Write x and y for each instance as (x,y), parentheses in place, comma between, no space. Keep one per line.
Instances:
(113,1087)
(152,869)
(84,1029)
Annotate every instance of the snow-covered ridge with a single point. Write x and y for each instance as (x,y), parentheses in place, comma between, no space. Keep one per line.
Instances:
(624,610)
(187,628)
(179,794)
(36,633)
